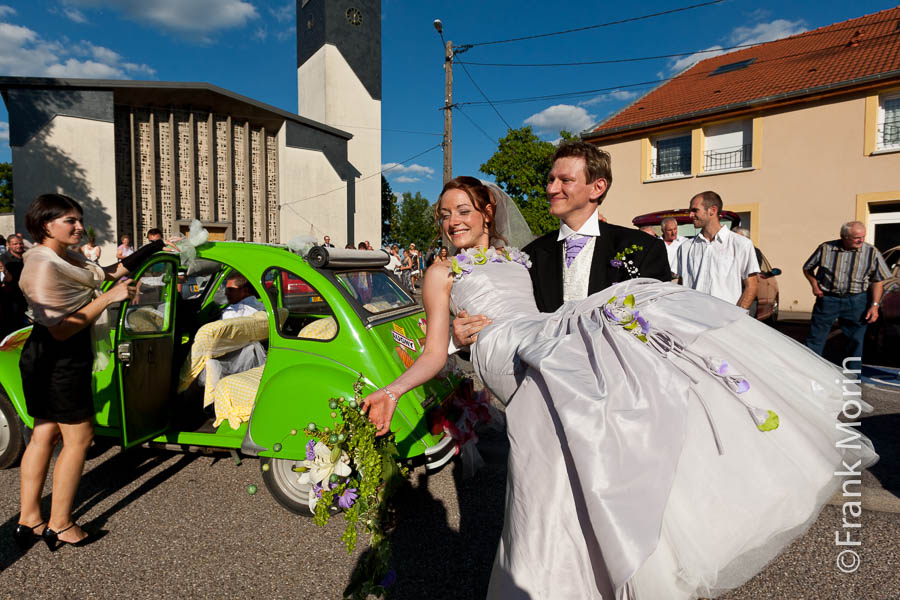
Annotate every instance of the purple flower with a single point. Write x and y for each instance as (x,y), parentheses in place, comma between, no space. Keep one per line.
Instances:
(742,386)
(645,326)
(317,489)
(462,258)
(616,263)
(311,450)
(723,368)
(348,498)
(497,259)
(390,578)
(610,314)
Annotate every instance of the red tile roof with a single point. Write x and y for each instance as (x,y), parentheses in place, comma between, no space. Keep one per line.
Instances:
(840,55)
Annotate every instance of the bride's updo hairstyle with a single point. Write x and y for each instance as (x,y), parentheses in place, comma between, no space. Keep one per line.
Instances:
(481,197)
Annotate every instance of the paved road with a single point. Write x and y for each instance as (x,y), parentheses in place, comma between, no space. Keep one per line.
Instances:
(185,526)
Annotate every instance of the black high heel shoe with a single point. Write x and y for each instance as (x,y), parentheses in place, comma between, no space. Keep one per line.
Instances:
(51,538)
(25,535)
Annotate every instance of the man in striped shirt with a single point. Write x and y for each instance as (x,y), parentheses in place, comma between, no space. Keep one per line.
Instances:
(846,276)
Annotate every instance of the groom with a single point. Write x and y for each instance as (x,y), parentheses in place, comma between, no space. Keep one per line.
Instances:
(585,255)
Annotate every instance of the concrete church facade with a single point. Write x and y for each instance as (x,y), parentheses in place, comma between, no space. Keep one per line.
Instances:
(140,154)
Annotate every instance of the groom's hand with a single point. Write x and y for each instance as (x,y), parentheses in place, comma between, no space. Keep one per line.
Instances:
(466,328)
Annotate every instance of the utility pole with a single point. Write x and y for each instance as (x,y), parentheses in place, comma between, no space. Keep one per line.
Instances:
(448,102)
(448,112)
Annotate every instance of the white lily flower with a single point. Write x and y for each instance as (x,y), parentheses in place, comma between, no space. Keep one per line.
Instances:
(319,470)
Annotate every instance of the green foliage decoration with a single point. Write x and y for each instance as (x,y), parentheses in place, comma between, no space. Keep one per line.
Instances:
(376,476)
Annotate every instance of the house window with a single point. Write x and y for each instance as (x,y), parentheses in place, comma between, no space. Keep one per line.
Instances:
(889,122)
(671,156)
(728,146)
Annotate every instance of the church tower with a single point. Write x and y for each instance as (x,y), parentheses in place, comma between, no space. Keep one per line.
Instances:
(339,84)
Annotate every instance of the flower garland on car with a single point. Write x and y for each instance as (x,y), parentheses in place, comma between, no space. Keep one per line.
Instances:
(348,468)
(463,263)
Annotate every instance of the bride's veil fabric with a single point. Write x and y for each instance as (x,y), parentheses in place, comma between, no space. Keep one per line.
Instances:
(508,221)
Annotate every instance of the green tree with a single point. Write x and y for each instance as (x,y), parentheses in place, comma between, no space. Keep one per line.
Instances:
(414,222)
(388,210)
(6,187)
(520,166)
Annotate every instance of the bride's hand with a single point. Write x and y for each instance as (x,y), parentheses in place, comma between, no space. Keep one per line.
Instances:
(171,243)
(380,407)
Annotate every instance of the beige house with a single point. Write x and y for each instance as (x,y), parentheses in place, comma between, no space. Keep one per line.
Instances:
(798,136)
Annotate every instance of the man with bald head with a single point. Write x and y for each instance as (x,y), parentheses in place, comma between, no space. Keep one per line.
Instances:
(847,278)
(670,236)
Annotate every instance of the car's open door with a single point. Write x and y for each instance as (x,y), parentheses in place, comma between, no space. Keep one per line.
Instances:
(145,345)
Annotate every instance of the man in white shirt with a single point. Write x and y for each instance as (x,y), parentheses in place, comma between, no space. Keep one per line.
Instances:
(241,301)
(717,261)
(673,241)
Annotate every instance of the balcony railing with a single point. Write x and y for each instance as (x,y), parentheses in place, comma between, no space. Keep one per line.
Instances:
(671,166)
(889,134)
(735,157)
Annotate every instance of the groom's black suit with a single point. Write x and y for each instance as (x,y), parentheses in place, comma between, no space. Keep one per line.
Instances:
(546,255)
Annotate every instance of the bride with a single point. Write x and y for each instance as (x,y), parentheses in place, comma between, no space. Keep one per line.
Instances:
(663,444)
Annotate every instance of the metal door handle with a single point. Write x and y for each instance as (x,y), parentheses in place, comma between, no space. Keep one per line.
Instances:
(123,352)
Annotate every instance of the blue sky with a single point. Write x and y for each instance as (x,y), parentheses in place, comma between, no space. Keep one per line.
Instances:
(248,46)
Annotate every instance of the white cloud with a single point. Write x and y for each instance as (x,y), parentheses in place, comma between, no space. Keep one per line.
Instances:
(188,17)
(393,169)
(766,32)
(4,131)
(260,34)
(6,11)
(285,12)
(286,34)
(617,95)
(74,15)
(405,179)
(24,53)
(742,35)
(559,117)
(686,62)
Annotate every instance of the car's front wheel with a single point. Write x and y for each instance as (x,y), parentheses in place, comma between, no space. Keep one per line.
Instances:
(12,442)
(283,482)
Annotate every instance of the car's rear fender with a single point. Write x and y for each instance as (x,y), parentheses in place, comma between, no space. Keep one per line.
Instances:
(296,395)
(11,381)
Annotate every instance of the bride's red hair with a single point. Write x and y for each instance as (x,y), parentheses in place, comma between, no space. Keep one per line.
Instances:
(481,198)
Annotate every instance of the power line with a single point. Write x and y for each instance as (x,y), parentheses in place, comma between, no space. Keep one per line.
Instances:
(699,74)
(827,31)
(477,126)
(465,47)
(608,61)
(380,172)
(391,130)
(483,95)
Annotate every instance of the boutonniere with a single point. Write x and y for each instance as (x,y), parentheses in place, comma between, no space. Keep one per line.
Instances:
(621,260)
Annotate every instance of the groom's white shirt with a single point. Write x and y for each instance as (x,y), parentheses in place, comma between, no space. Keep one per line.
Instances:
(576,277)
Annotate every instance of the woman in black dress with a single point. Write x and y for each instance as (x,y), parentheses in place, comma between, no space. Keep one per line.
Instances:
(62,289)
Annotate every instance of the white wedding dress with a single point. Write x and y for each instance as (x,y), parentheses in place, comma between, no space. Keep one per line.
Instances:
(637,469)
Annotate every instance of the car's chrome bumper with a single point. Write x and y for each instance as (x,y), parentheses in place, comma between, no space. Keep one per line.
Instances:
(440,454)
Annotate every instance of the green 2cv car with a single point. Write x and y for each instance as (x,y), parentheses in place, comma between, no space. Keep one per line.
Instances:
(181,377)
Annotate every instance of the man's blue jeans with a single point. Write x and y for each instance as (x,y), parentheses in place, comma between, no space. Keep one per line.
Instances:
(851,312)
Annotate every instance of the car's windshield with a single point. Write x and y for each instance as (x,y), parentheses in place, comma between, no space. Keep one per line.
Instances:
(375,290)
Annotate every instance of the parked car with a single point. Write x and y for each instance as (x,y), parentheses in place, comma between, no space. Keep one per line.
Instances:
(883,336)
(765,307)
(323,328)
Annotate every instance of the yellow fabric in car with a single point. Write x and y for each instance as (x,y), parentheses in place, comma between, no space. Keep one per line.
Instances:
(235,396)
(219,338)
(320,329)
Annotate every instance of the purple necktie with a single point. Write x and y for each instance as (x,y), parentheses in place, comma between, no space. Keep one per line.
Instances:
(574,244)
